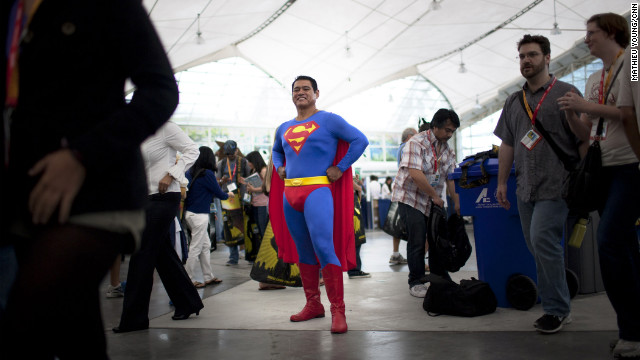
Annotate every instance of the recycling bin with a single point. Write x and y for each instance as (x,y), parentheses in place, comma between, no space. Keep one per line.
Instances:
(501,250)
(584,261)
(383,210)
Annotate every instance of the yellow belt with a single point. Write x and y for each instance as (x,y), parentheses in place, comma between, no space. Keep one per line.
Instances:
(315,180)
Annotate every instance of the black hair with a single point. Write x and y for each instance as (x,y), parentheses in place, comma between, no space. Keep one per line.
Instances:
(314,84)
(441,116)
(423,125)
(386,182)
(206,161)
(256,160)
(545,46)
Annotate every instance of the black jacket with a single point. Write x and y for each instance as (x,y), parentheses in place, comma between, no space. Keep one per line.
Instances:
(74,60)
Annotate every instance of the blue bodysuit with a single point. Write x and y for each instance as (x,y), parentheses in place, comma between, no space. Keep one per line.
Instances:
(309,148)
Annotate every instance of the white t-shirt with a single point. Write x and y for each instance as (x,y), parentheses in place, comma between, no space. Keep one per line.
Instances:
(629,94)
(374,190)
(615,147)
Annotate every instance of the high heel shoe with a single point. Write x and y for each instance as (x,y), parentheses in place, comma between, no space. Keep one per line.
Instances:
(178,316)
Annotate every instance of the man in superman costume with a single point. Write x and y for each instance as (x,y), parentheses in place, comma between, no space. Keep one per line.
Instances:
(313,154)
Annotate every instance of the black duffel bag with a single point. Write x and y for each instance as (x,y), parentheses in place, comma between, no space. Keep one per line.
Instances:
(469,298)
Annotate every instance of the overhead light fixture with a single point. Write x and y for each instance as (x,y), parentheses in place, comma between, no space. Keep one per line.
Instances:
(477,105)
(435,5)
(199,38)
(462,69)
(556,29)
(347,47)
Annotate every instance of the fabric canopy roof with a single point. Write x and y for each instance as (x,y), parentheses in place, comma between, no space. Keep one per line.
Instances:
(350,46)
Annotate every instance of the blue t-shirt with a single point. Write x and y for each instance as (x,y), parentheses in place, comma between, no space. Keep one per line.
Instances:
(309,146)
(202,191)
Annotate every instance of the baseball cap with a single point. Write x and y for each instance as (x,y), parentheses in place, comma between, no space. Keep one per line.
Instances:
(229,147)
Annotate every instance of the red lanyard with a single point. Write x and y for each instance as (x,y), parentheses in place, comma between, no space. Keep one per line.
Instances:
(534,115)
(11,99)
(605,85)
(435,154)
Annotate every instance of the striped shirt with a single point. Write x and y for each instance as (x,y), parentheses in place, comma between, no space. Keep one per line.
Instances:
(418,154)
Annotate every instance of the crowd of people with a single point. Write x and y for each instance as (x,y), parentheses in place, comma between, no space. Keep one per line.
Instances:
(79,199)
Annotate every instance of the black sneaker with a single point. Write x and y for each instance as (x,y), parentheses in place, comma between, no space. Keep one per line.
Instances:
(359,275)
(551,324)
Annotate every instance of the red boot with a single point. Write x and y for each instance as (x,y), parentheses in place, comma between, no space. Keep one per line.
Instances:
(332,276)
(310,278)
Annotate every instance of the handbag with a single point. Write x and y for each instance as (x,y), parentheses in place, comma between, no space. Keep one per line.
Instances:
(584,181)
(358,225)
(394,225)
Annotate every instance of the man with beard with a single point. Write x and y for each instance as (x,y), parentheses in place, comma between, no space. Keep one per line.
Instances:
(540,173)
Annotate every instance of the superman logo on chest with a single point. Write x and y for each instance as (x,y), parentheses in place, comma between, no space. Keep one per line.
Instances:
(297,135)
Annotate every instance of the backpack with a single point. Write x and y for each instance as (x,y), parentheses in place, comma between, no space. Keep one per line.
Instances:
(449,238)
(469,298)
(471,160)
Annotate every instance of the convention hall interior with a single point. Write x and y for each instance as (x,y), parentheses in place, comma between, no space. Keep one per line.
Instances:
(382,65)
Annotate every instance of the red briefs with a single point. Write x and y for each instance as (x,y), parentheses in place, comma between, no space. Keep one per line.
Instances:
(297,195)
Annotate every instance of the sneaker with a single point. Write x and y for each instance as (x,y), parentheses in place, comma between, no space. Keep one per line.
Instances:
(359,275)
(229,263)
(397,260)
(627,349)
(419,290)
(115,291)
(550,324)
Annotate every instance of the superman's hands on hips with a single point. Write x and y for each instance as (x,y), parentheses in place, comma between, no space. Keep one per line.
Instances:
(334,173)
(282,172)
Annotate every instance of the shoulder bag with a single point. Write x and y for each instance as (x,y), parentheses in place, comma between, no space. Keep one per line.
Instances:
(584,181)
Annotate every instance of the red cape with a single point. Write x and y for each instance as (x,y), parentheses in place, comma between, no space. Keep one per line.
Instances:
(343,234)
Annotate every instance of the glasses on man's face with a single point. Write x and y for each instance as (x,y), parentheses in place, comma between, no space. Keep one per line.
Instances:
(590,34)
(530,55)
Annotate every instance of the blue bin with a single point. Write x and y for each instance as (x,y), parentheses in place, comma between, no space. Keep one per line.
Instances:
(501,250)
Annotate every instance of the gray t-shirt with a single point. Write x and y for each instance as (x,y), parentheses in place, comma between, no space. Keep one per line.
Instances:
(539,172)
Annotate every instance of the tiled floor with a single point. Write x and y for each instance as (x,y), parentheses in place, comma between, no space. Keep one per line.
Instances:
(240,322)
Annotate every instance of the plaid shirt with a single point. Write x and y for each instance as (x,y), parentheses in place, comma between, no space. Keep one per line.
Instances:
(419,154)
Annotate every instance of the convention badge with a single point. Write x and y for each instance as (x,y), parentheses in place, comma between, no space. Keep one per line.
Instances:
(594,128)
(232,187)
(434,180)
(531,139)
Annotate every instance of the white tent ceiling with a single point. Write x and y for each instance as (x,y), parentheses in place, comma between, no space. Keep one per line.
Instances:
(386,39)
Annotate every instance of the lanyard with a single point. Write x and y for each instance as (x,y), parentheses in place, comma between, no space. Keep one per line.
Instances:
(436,159)
(235,166)
(534,115)
(19,23)
(605,85)
(12,85)
(11,99)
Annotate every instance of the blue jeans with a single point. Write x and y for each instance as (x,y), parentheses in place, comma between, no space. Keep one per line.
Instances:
(416,223)
(234,255)
(618,246)
(358,267)
(543,225)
